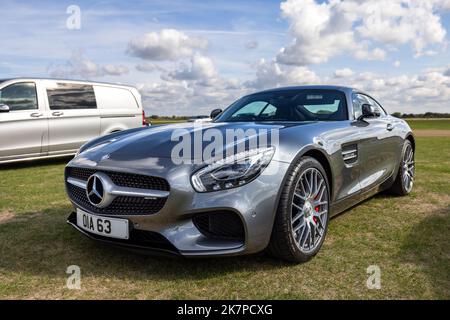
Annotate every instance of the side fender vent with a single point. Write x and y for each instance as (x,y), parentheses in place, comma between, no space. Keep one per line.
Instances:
(350,153)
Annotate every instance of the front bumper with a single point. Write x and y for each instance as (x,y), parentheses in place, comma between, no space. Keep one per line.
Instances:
(254,203)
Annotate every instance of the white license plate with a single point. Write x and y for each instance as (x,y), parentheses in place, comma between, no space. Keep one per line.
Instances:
(103,226)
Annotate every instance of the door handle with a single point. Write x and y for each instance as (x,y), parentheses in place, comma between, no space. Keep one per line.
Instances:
(36,115)
(57,113)
(390,127)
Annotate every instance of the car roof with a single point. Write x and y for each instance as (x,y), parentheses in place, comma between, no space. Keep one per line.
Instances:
(306,87)
(68,80)
(311,87)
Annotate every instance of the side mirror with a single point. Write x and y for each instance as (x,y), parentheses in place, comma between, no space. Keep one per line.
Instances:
(215,113)
(368,111)
(4,108)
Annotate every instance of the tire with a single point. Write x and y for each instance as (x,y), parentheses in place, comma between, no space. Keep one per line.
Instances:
(286,241)
(402,185)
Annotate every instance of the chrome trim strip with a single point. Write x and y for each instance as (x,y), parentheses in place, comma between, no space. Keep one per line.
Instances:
(77,183)
(350,156)
(349,151)
(135,192)
(108,116)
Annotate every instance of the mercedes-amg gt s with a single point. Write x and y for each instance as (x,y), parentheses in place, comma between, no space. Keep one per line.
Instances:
(268,172)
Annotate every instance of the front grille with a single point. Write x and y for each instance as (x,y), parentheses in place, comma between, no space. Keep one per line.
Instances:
(122,205)
(220,224)
(122,179)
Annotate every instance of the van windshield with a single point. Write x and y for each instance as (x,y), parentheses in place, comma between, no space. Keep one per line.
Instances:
(288,105)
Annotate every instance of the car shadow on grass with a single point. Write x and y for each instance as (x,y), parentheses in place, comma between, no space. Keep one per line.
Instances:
(43,244)
(427,246)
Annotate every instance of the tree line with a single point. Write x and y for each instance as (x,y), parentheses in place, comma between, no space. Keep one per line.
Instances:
(421,115)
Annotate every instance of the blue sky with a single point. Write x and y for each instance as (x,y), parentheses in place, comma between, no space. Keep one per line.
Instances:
(188,57)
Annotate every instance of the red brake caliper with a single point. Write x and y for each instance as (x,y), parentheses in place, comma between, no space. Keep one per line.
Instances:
(316,208)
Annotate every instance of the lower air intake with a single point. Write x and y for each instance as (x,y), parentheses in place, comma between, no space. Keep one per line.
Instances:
(220,224)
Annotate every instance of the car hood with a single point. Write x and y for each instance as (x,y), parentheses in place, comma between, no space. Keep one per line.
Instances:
(159,142)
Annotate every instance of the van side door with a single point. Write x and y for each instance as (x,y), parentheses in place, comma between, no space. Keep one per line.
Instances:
(73,116)
(24,128)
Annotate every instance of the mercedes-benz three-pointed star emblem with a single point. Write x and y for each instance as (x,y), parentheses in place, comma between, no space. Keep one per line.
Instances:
(95,190)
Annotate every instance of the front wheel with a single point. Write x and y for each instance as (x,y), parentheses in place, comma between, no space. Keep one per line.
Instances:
(404,181)
(302,217)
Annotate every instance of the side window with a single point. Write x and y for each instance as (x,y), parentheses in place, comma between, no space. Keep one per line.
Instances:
(269,111)
(20,96)
(323,108)
(253,109)
(358,101)
(68,96)
(377,107)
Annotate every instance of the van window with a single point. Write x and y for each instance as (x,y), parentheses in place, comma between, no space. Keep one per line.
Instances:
(19,96)
(114,98)
(71,96)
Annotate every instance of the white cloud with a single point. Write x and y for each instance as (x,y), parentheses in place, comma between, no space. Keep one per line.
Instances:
(343,73)
(187,97)
(427,91)
(201,68)
(320,31)
(396,63)
(270,74)
(113,70)
(401,22)
(168,44)
(323,30)
(375,54)
(81,66)
(149,67)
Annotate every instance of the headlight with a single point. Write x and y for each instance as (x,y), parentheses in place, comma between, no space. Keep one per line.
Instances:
(233,171)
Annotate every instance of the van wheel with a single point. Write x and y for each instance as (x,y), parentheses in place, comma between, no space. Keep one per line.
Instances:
(302,217)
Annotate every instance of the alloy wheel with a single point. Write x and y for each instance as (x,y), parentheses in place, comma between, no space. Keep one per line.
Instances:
(408,168)
(309,210)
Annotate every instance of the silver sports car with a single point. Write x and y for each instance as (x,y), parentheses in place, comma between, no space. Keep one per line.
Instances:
(268,172)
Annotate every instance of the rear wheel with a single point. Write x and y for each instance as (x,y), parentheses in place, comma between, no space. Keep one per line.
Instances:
(405,178)
(302,217)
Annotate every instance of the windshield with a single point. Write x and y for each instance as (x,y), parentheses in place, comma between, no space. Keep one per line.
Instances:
(288,105)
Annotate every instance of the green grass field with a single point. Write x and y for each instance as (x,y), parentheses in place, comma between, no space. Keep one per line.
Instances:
(408,238)
(429,124)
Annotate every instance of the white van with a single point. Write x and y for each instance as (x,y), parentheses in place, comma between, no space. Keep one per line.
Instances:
(44,118)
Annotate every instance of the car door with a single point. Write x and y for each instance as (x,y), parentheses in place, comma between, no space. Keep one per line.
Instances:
(378,143)
(73,116)
(24,128)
